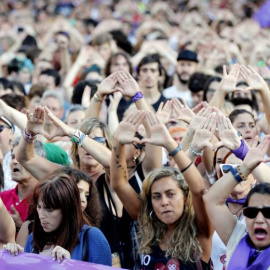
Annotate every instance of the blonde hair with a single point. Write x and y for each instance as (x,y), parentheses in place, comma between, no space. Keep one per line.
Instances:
(183,243)
(87,127)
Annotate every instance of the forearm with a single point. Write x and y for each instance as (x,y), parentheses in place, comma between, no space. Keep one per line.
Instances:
(113,121)
(94,106)
(17,118)
(217,99)
(265,97)
(65,62)
(7,225)
(187,139)
(261,173)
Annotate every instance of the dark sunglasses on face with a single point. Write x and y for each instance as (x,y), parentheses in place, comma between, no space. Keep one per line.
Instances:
(252,212)
(2,127)
(99,139)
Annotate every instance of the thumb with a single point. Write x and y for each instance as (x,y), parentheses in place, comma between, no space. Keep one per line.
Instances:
(136,140)
(210,145)
(146,140)
(217,145)
(249,88)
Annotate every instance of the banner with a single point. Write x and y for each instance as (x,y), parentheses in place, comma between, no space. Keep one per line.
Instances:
(26,261)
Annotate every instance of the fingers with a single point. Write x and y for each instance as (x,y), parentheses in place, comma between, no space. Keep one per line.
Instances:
(13,248)
(209,123)
(135,118)
(224,71)
(60,253)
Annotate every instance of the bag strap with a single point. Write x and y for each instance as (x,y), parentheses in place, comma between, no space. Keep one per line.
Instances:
(85,245)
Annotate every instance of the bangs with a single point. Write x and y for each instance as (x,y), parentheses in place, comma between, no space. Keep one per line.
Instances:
(50,196)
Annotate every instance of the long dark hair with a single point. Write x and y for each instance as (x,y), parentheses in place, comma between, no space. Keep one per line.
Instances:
(262,188)
(58,192)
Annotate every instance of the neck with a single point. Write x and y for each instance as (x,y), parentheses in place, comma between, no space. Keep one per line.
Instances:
(94,171)
(151,95)
(181,87)
(25,187)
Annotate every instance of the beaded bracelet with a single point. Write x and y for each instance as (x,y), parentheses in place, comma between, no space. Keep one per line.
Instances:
(194,152)
(29,138)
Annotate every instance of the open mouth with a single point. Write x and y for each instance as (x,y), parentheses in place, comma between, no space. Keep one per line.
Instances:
(15,170)
(260,233)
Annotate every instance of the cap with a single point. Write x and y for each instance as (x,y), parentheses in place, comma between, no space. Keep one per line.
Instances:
(4,119)
(187,56)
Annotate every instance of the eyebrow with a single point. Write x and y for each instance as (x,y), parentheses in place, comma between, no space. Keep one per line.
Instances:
(168,190)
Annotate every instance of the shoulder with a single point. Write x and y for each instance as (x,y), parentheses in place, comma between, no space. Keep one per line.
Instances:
(7,193)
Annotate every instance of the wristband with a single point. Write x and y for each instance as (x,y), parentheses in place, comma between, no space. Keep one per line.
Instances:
(29,138)
(242,151)
(175,151)
(78,137)
(194,152)
(235,174)
(97,98)
(137,96)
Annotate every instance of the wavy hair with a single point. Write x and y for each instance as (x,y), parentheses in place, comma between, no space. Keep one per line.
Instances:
(183,243)
(87,127)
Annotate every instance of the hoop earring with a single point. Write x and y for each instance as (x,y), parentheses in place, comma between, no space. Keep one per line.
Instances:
(151,214)
(134,159)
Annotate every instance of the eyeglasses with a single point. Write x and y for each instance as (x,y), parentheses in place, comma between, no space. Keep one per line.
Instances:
(252,212)
(99,139)
(2,127)
(225,168)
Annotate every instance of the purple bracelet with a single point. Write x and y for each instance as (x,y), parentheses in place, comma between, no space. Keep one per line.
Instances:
(241,152)
(137,96)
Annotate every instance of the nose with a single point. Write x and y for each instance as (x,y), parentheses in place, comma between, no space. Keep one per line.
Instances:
(41,213)
(259,218)
(164,200)
(83,198)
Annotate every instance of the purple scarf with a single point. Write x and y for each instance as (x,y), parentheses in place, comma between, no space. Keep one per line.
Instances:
(243,252)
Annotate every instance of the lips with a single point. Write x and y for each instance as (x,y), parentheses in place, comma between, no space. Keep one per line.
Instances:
(166,212)
(260,234)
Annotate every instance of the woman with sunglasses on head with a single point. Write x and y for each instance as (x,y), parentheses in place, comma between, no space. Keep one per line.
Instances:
(59,228)
(247,245)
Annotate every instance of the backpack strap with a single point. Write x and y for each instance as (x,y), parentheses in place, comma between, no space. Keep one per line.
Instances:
(85,245)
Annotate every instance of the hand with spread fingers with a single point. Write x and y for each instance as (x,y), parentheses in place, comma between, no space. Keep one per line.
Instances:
(164,112)
(182,111)
(253,79)
(61,129)
(126,130)
(159,133)
(36,121)
(13,248)
(204,134)
(129,86)
(227,134)
(256,154)
(229,80)
(107,86)
(59,253)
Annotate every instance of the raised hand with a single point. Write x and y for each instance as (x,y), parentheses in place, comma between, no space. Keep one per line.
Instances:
(60,253)
(13,248)
(227,134)
(126,130)
(182,110)
(159,133)
(61,129)
(204,134)
(164,112)
(129,87)
(36,121)
(228,82)
(107,86)
(253,79)
(256,153)
(16,217)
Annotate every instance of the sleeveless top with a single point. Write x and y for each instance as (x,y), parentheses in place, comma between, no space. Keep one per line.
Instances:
(157,260)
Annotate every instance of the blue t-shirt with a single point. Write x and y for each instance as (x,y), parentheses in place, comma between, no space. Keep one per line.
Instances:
(98,251)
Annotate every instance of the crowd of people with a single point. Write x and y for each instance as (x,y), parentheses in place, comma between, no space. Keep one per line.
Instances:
(135,134)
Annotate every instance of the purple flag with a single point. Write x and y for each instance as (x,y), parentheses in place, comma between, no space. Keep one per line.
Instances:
(26,261)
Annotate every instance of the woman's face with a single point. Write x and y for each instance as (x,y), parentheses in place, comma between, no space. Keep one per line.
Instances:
(83,187)
(245,124)
(119,63)
(242,188)
(167,200)
(213,86)
(259,227)
(75,119)
(50,219)
(86,160)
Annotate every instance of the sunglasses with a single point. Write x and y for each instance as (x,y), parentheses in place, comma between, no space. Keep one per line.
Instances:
(2,127)
(225,168)
(99,139)
(252,212)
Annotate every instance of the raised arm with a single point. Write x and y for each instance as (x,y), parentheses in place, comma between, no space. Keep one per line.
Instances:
(215,198)
(39,167)
(7,226)
(119,174)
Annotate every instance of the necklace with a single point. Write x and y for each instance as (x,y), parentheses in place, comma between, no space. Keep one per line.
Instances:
(235,214)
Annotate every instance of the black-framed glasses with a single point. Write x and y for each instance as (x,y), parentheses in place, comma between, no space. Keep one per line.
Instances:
(2,127)
(252,212)
(99,139)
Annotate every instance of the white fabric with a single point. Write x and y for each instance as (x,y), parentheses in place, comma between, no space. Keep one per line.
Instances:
(172,92)
(8,182)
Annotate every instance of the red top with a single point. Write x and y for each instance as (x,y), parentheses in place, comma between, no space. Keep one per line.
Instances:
(10,197)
